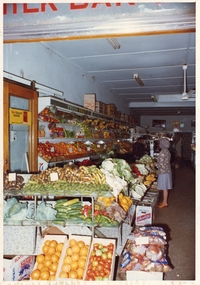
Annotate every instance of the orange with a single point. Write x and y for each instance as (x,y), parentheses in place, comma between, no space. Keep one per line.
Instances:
(84,251)
(54,258)
(45,249)
(83,257)
(44,268)
(44,275)
(53,243)
(54,266)
(81,243)
(67,259)
(66,267)
(72,274)
(40,265)
(59,246)
(47,242)
(35,274)
(75,256)
(47,263)
(75,248)
(74,265)
(69,251)
(80,272)
(81,263)
(58,253)
(63,274)
(51,250)
(47,257)
(72,242)
(40,258)
(52,277)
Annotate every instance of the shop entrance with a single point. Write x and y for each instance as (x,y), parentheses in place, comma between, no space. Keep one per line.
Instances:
(20,128)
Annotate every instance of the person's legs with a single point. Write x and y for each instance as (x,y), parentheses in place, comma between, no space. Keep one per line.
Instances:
(165,197)
(164,202)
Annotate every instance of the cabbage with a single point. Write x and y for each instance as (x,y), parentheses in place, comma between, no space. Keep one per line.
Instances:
(45,212)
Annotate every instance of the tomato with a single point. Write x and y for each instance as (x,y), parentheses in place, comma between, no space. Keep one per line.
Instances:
(104,256)
(106,271)
(109,253)
(91,273)
(98,258)
(107,266)
(101,262)
(99,267)
(109,260)
(110,246)
(95,246)
(101,273)
(90,278)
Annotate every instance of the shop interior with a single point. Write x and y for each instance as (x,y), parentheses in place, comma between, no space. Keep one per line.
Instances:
(73,101)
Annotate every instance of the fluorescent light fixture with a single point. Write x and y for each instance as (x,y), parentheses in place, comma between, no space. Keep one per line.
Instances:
(48,90)
(138,79)
(114,43)
(154,99)
(185,96)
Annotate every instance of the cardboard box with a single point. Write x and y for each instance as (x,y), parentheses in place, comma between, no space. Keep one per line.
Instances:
(86,239)
(58,238)
(118,115)
(111,109)
(145,213)
(101,107)
(141,275)
(90,101)
(17,268)
(131,119)
(104,241)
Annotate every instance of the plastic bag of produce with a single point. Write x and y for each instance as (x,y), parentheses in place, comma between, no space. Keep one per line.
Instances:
(45,212)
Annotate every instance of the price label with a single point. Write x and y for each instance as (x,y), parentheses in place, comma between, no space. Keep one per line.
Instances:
(54,176)
(98,146)
(142,240)
(52,149)
(12,176)
(70,150)
(88,148)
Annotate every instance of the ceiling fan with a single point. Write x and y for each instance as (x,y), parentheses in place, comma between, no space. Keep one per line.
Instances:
(189,94)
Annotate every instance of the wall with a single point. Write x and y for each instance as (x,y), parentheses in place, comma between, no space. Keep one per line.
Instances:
(147,121)
(35,62)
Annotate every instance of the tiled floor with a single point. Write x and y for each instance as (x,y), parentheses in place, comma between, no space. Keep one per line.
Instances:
(178,221)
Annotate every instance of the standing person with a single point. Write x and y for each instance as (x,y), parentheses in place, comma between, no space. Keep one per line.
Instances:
(138,149)
(164,171)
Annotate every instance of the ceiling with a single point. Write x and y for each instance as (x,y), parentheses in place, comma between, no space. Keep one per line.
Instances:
(157,59)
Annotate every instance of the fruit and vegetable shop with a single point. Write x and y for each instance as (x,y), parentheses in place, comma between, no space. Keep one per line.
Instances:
(77,205)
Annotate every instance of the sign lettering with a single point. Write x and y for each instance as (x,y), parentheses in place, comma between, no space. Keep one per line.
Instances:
(27,9)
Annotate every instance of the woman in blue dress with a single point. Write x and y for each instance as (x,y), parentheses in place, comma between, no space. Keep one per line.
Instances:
(164,182)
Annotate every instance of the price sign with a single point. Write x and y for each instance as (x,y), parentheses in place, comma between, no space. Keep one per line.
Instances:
(142,240)
(54,176)
(12,176)
(52,149)
(88,148)
(70,150)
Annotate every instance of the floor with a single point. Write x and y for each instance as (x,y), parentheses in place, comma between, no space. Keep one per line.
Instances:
(178,221)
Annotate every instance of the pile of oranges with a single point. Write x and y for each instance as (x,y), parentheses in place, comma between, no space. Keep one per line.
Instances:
(47,261)
(74,262)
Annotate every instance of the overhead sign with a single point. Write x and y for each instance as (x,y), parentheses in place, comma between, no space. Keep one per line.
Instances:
(48,21)
(18,116)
